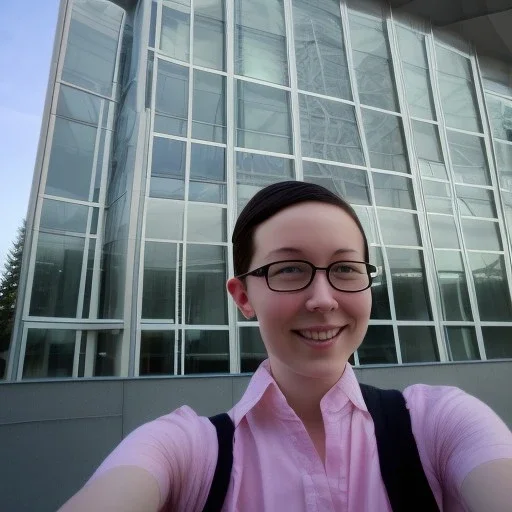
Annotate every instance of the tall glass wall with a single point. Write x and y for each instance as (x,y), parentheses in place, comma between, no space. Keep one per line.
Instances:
(414,132)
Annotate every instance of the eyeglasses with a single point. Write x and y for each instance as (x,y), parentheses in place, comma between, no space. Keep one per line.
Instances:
(295,275)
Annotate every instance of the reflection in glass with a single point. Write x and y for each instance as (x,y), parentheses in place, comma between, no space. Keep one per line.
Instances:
(206,352)
(504,161)
(380,297)
(385,139)
(453,286)
(78,105)
(498,342)
(329,130)
(500,114)
(209,112)
(443,231)
(351,184)
(206,223)
(164,219)
(468,158)
(409,284)
(159,285)
(260,40)
(58,268)
(393,191)
(263,118)
(156,353)
(418,344)
(461,344)
(71,160)
(378,346)
(205,297)
(168,169)
(63,216)
(476,202)
(86,308)
(171,102)
(113,279)
(207,174)
(49,353)
(492,291)
(152,23)
(107,361)
(252,349)
(319,48)
(428,149)
(174,35)
(438,197)
(372,61)
(209,34)
(481,234)
(399,228)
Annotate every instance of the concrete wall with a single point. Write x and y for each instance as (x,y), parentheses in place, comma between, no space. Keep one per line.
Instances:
(54,434)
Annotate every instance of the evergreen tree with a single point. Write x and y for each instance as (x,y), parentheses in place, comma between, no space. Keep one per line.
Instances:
(8,292)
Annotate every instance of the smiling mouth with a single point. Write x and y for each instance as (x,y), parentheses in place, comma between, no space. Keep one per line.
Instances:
(320,335)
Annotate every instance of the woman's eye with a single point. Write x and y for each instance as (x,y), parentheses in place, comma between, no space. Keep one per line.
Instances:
(289,270)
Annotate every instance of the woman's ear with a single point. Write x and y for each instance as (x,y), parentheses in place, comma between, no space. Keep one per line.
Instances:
(237,290)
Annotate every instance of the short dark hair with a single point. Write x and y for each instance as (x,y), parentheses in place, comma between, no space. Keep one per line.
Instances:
(271,200)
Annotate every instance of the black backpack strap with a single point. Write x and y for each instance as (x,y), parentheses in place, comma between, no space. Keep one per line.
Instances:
(220,483)
(400,465)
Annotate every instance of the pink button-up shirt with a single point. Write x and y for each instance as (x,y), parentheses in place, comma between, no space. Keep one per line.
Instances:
(276,466)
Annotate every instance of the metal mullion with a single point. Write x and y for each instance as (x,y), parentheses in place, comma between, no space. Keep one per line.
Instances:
(490,92)
(158,28)
(422,119)
(67,5)
(336,164)
(171,137)
(23,349)
(286,156)
(83,89)
(257,81)
(325,96)
(208,143)
(115,82)
(68,200)
(466,132)
(76,354)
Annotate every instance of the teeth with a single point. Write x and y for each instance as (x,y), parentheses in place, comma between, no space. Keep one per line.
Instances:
(320,335)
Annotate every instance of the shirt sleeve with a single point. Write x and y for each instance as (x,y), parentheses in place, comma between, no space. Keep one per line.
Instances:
(455,433)
(179,449)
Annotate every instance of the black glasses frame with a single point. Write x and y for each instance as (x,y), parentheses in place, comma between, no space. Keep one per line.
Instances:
(371,270)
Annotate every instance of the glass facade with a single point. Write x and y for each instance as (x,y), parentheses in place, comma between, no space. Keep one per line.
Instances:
(166,120)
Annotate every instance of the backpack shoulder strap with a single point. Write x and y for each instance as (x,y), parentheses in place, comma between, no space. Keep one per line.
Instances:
(400,464)
(220,483)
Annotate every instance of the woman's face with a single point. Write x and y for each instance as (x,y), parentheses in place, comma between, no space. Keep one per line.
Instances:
(291,321)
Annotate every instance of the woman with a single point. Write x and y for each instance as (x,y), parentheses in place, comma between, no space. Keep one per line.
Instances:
(303,437)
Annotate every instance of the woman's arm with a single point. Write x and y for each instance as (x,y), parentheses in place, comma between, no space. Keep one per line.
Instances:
(121,489)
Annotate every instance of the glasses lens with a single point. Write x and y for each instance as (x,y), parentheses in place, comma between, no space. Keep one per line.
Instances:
(289,275)
(349,276)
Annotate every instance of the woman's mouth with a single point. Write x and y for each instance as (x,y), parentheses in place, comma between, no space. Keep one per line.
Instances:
(319,335)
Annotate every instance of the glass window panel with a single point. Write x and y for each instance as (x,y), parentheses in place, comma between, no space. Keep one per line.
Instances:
(260,40)
(453,63)
(175,30)
(399,228)
(418,91)
(444,232)
(206,223)
(367,218)
(252,349)
(319,48)
(452,283)
(412,47)
(152,23)
(168,169)
(156,353)
(71,160)
(160,278)
(481,234)
(500,113)
(380,297)
(409,284)
(504,161)
(498,342)
(64,216)
(329,130)
(378,346)
(206,351)
(78,105)
(171,102)
(88,281)
(507,207)
(108,354)
(428,148)
(263,118)
(393,191)
(372,62)
(205,298)
(57,275)
(351,184)
(438,197)
(164,219)
(94,221)
(207,174)
(496,75)
(112,289)
(418,344)
(209,112)
(91,51)
(385,139)
(468,158)
(462,344)
(492,290)
(209,34)
(49,353)
(476,202)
